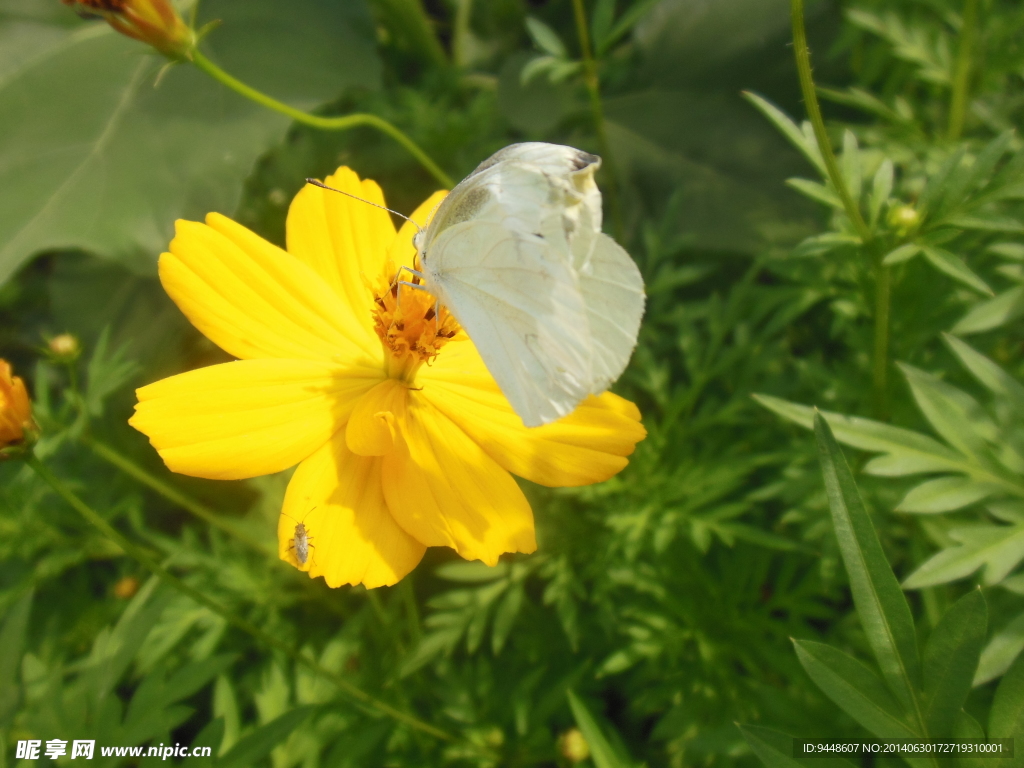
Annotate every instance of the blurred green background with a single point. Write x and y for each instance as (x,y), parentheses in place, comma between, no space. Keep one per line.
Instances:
(665,599)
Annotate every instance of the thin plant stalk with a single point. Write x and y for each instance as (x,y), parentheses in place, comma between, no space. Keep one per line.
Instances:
(342,123)
(883,286)
(962,71)
(593,85)
(150,563)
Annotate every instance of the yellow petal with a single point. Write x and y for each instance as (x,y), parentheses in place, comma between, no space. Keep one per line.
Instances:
(371,427)
(445,491)
(587,446)
(353,539)
(250,417)
(254,300)
(341,238)
(402,252)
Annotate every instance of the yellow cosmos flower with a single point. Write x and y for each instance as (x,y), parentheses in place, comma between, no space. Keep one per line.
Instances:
(17,428)
(402,437)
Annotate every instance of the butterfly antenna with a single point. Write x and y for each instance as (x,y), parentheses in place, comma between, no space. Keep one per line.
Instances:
(318,183)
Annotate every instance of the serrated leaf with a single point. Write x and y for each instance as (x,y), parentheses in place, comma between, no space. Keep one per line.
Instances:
(545,38)
(994,313)
(258,744)
(602,752)
(789,129)
(949,662)
(881,604)
(955,267)
(93,156)
(1001,651)
(997,548)
(854,688)
(944,494)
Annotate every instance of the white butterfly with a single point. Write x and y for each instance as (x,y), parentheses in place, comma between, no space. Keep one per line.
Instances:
(517,255)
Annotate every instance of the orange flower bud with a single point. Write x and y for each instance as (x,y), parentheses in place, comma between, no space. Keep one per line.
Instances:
(17,429)
(154,22)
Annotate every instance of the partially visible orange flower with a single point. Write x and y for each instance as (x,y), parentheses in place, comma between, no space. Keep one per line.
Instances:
(154,22)
(16,422)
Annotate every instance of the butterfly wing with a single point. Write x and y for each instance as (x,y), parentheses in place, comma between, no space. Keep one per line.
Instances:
(613,293)
(520,303)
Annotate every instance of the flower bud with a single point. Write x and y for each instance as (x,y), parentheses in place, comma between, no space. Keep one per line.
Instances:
(64,348)
(18,432)
(126,587)
(573,746)
(904,218)
(154,22)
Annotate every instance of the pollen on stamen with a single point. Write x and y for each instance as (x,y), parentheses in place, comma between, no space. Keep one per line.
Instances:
(409,321)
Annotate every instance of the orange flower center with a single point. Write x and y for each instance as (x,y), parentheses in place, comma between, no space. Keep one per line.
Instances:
(409,321)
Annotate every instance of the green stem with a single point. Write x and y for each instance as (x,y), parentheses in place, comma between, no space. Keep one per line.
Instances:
(171,493)
(803,68)
(593,85)
(880,363)
(962,71)
(342,123)
(200,597)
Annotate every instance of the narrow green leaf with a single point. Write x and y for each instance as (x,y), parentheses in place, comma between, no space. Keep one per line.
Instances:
(1001,651)
(938,184)
(905,252)
(816,191)
(211,736)
(772,747)
(851,164)
(881,188)
(1006,718)
(601,23)
(545,37)
(505,616)
(987,372)
(789,129)
(963,181)
(944,494)
(950,660)
(1012,251)
(258,744)
(955,267)
(12,641)
(999,548)
(854,687)
(994,313)
(881,604)
(626,22)
(601,749)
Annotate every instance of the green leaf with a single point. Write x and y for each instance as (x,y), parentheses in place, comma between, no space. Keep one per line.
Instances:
(881,188)
(950,660)
(545,38)
(1002,649)
(986,223)
(789,129)
(626,22)
(851,164)
(601,23)
(938,184)
(505,616)
(12,640)
(965,178)
(994,313)
(816,191)
(1006,718)
(1012,251)
(907,452)
(905,252)
(945,494)
(881,604)
(258,744)
(954,266)
(987,372)
(603,753)
(854,687)
(772,747)
(93,156)
(999,548)
(211,736)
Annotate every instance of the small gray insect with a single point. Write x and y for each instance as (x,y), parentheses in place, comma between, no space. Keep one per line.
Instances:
(301,541)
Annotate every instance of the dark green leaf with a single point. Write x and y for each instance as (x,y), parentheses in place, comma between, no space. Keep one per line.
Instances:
(12,641)
(950,660)
(1006,718)
(257,745)
(603,753)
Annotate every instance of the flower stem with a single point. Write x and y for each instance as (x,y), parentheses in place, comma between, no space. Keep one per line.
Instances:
(171,493)
(962,71)
(150,563)
(342,123)
(803,68)
(593,85)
